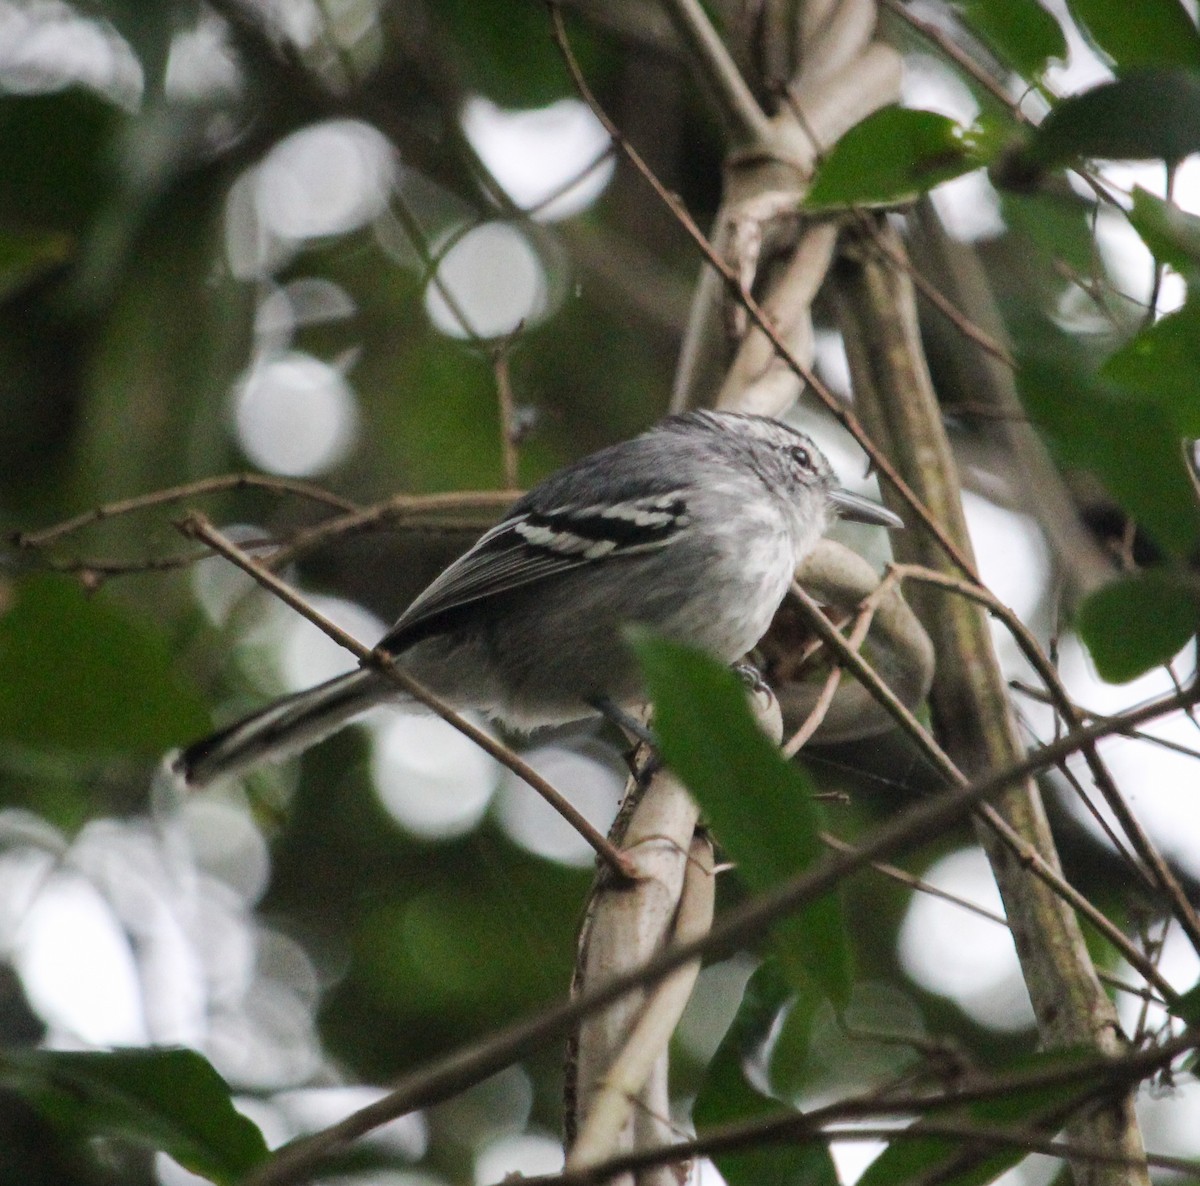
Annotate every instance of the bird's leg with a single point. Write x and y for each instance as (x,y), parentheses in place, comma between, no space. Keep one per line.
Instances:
(611,711)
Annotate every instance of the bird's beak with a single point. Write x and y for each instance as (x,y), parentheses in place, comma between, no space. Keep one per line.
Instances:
(862,510)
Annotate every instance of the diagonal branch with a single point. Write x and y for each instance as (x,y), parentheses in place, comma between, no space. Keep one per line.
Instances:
(748,124)
(470,1064)
(197,526)
(1145,847)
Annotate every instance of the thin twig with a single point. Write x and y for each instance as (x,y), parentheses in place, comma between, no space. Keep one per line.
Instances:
(858,635)
(215,485)
(1089,715)
(959,57)
(94,571)
(1041,869)
(565,187)
(792,1127)
(895,873)
(785,1133)
(399,507)
(504,397)
(749,125)
(197,526)
(930,292)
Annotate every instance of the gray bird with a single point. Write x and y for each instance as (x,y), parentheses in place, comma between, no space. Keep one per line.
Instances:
(693,529)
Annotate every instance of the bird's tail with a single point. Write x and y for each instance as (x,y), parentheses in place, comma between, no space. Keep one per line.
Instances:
(285,727)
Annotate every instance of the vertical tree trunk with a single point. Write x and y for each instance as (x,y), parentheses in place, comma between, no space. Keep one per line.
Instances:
(969,700)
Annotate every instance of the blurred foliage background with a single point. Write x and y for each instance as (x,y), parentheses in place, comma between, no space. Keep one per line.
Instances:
(318,241)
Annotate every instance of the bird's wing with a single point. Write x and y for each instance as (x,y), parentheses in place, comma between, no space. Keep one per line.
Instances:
(534,545)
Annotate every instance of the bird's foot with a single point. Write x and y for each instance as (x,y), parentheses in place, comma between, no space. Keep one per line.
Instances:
(751,677)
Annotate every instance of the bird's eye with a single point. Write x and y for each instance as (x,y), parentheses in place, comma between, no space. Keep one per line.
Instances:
(801,456)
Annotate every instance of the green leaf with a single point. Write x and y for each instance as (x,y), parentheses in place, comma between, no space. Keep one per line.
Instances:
(727,1095)
(504,51)
(1187,1007)
(893,155)
(951,1161)
(57,171)
(26,258)
(168,1100)
(760,807)
(1172,235)
(1138,622)
(82,675)
(1150,114)
(1057,226)
(1162,364)
(1132,445)
(1021,32)
(1148,33)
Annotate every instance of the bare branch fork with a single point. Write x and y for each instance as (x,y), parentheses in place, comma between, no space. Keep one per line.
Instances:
(792,1131)
(1158,869)
(826,1124)
(477,509)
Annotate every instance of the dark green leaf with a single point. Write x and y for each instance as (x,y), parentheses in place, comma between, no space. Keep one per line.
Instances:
(57,173)
(25,258)
(168,1100)
(505,50)
(81,675)
(1162,363)
(951,1161)
(1137,623)
(1058,226)
(727,1096)
(895,154)
(1150,114)
(1148,33)
(1187,1007)
(1021,32)
(1171,234)
(760,807)
(1132,445)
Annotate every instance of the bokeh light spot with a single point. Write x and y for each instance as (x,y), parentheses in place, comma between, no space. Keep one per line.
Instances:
(960,955)
(592,783)
(308,656)
(536,153)
(433,781)
(523,1154)
(489,282)
(325,180)
(295,415)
